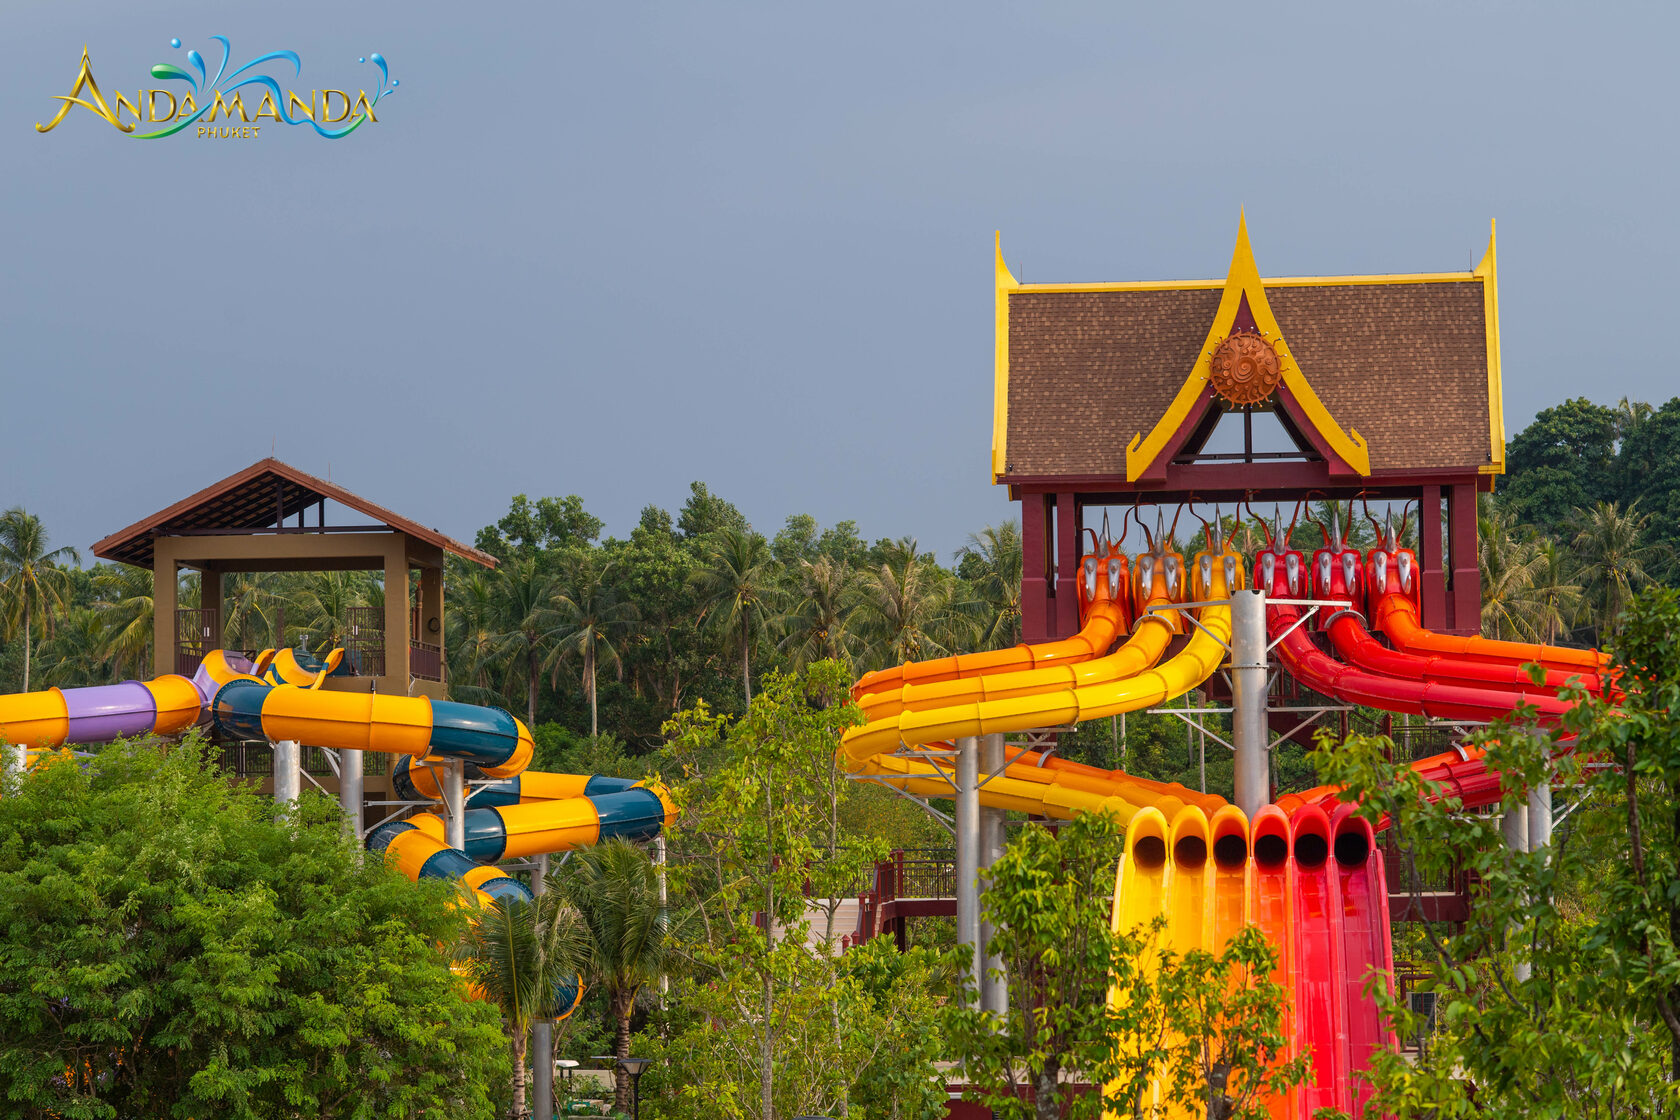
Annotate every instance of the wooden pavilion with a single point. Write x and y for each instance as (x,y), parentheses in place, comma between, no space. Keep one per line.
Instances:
(258,520)
(1387,387)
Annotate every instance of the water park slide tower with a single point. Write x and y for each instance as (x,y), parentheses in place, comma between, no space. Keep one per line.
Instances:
(1387,387)
(273,517)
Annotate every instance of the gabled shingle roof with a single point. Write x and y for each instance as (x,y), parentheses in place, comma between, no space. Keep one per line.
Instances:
(258,497)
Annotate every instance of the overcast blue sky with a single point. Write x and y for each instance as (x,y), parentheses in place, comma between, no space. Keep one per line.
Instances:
(610,248)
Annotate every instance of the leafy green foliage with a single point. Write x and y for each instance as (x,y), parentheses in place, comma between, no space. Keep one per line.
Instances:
(1557,998)
(172,949)
(771,1020)
(524,957)
(1112,1007)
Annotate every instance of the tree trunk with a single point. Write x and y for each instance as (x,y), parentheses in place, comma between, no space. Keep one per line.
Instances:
(746,670)
(530,684)
(589,671)
(1674,937)
(623,1005)
(766,1050)
(26,639)
(1047,1098)
(518,1074)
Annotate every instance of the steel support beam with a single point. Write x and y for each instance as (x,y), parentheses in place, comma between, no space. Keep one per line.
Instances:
(288,771)
(1514,825)
(1540,816)
(350,786)
(454,781)
(994,991)
(968,854)
(1248,699)
(542,1030)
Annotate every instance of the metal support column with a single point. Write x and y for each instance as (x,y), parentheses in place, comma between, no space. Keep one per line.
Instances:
(542,1030)
(1514,826)
(454,783)
(1540,816)
(968,853)
(1248,698)
(288,771)
(994,991)
(664,909)
(350,787)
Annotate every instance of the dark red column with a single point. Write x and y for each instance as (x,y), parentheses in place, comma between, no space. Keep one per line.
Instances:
(1067,565)
(1431,560)
(1466,571)
(1035,569)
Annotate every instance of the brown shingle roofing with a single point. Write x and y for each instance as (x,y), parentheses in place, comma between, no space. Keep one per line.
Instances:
(256,498)
(1403,363)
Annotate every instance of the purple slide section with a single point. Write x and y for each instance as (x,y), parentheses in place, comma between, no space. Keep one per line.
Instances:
(105,712)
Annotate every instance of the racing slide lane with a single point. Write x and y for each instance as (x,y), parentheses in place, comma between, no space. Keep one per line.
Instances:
(1320,995)
(1269,908)
(1362,888)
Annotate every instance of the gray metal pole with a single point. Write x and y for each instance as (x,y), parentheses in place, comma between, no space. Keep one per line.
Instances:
(454,784)
(1248,698)
(1540,816)
(968,852)
(350,787)
(542,1031)
(664,908)
(994,991)
(12,758)
(288,776)
(1514,826)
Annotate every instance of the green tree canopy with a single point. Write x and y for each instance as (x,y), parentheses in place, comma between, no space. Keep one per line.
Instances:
(1564,460)
(171,949)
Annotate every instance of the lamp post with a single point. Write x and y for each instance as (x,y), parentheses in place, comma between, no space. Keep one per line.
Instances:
(635,1067)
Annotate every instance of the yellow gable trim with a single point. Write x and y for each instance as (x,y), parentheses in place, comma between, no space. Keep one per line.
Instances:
(1004,284)
(1270,282)
(1244,280)
(1488,272)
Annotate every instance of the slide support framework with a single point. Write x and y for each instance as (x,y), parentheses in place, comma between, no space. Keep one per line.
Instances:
(1248,700)
(994,991)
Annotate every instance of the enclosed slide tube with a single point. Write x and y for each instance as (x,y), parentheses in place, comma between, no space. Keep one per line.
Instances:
(1314,886)
(558,813)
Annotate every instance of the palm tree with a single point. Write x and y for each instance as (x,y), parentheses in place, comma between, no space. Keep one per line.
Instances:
(472,632)
(526,620)
(1614,560)
(1509,565)
(32,584)
(69,658)
(736,584)
(523,957)
(626,939)
(322,601)
(816,627)
(125,613)
(904,605)
(253,601)
(592,618)
(1555,597)
(998,550)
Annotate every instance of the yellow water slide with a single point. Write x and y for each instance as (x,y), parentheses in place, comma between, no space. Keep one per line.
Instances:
(911,715)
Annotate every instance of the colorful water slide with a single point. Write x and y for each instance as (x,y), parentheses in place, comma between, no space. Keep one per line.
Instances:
(1397,617)
(549,813)
(942,706)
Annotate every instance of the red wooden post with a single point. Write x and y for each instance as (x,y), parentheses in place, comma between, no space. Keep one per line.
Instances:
(1431,560)
(1067,565)
(1035,569)
(1466,572)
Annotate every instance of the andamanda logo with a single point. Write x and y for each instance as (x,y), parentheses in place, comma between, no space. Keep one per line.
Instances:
(203,100)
